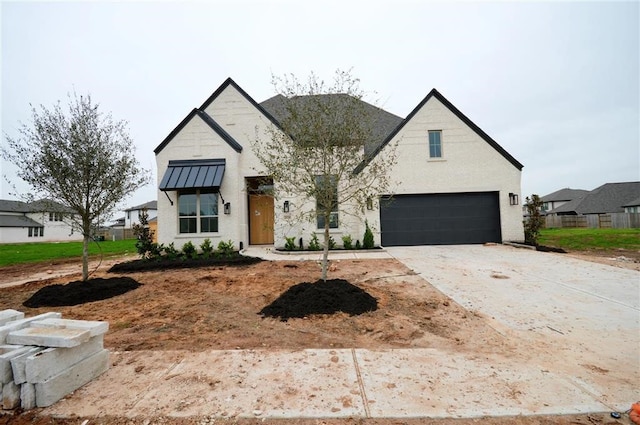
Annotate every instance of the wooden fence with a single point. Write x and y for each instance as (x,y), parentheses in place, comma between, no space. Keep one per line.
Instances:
(595,221)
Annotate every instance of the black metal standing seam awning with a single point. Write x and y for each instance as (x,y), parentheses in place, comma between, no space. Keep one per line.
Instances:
(193,174)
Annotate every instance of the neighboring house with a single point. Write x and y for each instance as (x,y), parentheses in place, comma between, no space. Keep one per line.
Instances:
(633,206)
(608,198)
(561,197)
(38,221)
(132,215)
(457,185)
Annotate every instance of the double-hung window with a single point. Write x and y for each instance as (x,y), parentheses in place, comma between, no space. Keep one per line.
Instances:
(435,144)
(198,211)
(327,196)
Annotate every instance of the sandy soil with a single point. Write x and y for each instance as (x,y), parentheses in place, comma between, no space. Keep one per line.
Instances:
(217,308)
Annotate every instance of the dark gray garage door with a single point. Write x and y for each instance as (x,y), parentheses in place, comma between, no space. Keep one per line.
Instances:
(440,219)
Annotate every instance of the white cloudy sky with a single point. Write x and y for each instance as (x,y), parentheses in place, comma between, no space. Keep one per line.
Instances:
(556,84)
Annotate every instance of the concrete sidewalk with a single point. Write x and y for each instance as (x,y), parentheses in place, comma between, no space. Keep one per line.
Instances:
(268,252)
(405,383)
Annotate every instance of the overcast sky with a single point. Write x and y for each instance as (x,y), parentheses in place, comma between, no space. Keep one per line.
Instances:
(556,84)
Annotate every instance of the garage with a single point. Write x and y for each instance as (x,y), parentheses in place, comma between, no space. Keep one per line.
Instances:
(440,219)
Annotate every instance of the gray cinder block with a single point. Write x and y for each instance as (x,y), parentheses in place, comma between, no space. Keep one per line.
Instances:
(10,396)
(10,315)
(7,352)
(19,362)
(93,326)
(51,361)
(27,396)
(49,337)
(23,323)
(57,387)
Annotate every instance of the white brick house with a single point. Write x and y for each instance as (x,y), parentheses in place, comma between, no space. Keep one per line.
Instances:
(38,221)
(457,185)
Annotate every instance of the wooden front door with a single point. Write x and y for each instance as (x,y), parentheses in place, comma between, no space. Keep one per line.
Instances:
(261,219)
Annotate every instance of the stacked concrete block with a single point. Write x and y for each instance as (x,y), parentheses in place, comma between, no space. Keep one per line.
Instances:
(44,358)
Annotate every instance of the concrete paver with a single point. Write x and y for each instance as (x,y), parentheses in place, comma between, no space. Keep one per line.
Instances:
(587,314)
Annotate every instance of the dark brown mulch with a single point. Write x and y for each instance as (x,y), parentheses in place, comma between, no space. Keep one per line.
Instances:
(321,297)
(544,248)
(79,292)
(181,263)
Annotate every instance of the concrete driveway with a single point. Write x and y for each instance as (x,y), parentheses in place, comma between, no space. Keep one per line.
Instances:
(585,315)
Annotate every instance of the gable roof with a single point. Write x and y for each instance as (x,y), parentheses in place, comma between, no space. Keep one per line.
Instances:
(229,82)
(40,205)
(456,112)
(151,205)
(209,121)
(565,194)
(18,221)
(383,122)
(608,198)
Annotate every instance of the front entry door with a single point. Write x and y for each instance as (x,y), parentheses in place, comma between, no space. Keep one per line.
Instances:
(261,219)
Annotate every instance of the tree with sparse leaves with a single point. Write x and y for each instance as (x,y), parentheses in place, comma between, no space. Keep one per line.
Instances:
(535,220)
(317,154)
(80,158)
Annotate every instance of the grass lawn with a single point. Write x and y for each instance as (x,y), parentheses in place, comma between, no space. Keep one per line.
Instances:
(591,239)
(15,253)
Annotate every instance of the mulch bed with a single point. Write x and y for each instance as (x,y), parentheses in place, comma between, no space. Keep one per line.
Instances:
(182,263)
(321,297)
(79,292)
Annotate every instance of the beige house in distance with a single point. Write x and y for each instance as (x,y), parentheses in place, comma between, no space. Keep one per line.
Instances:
(456,184)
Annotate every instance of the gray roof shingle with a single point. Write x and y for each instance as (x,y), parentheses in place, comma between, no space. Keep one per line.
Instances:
(608,198)
(383,122)
(565,194)
(18,221)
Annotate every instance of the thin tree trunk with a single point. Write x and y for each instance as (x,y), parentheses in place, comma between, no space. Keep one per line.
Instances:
(85,257)
(325,253)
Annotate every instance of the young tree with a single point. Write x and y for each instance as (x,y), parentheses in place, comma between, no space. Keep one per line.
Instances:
(317,154)
(534,221)
(80,158)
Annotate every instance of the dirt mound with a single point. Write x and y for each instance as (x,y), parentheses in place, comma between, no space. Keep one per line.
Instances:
(79,292)
(321,297)
(181,263)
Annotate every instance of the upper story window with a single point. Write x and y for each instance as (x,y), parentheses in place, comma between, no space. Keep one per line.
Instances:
(198,211)
(328,194)
(435,144)
(55,216)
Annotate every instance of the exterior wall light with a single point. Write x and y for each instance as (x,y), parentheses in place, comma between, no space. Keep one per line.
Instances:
(227,208)
(370,204)
(513,199)
(285,207)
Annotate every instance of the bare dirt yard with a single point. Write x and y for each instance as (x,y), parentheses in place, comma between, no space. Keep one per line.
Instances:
(217,308)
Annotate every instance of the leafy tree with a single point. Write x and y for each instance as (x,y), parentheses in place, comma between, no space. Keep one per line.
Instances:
(535,220)
(317,154)
(144,235)
(79,158)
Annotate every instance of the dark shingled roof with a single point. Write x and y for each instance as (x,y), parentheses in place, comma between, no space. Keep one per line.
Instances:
(608,198)
(17,221)
(565,194)
(41,205)
(151,205)
(383,122)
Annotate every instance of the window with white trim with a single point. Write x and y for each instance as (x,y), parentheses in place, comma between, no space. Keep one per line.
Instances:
(198,211)
(435,143)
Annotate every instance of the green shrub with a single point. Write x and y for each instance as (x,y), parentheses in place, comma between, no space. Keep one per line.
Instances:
(535,221)
(225,249)
(207,248)
(170,251)
(332,243)
(144,237)
(314,244)
(347,243)
(189,250)
(367,240)
(290,244)
(358,246)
